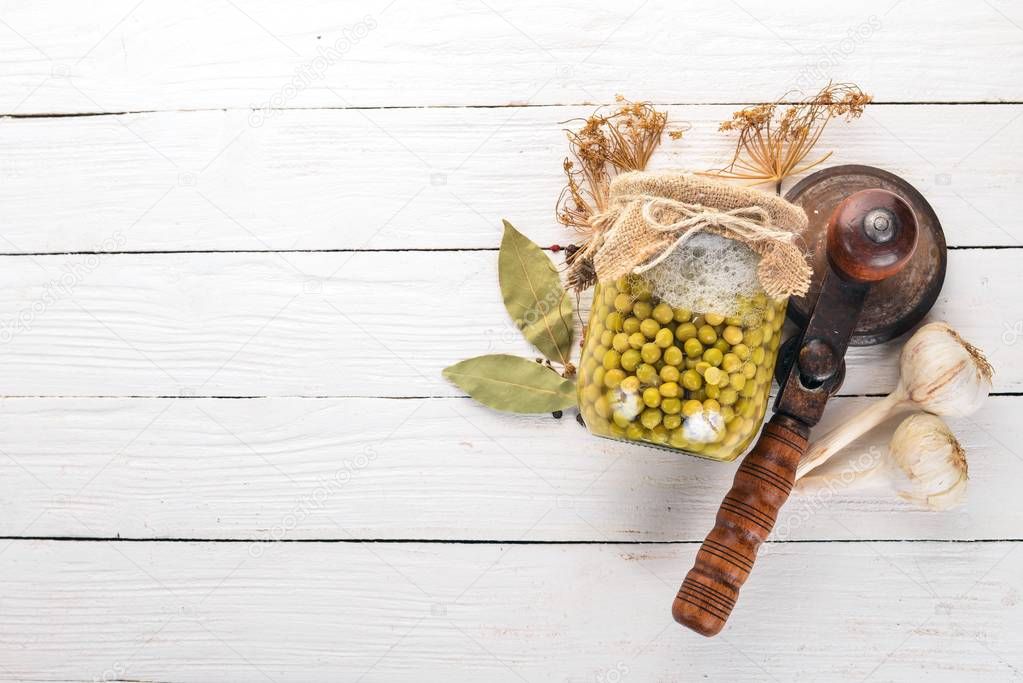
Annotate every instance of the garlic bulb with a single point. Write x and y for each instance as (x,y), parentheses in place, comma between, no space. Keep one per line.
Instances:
(941,373)
(925,464)
(933,462)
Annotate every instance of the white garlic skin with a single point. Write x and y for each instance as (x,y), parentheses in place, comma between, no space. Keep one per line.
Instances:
(944,374)
(931,460)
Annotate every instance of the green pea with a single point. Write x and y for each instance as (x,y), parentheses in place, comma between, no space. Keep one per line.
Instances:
(602,407)
(590,393)
(713,356)
(623,303)
(714,318)
(615,430)
(649,328)
(658,434)
(732,335)
(642,309)
(605,337)
(631,359)
(707,335)
(669,390)
(728,396)
(651,353)
(740,350)
(651,397)
(647,374)
(613,377)
(737,381)
(712,406)
(636,340)
(650,418)
(612,359)
(620,343)
(692,407)
(748,390)
(754,338)
(671,406)
(712,375)
(673,355)
(634,431)
(629,385)
(682,315)
(662,313)
(613,321)
(669,373)
(749,370)
(623,284)
(630,325)
(693,348)
(664,338)
(691,380)
(722,346)
(712,390)
(757,356)
(598,375)
(685,331)
(673,421)
(621,419)
(731,363)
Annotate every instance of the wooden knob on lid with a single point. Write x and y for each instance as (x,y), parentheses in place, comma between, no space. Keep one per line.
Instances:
(871,236)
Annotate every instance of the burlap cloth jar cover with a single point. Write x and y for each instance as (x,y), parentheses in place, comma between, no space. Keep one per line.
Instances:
(649,215)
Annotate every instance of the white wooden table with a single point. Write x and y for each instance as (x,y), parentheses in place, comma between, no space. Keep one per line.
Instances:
(241,239)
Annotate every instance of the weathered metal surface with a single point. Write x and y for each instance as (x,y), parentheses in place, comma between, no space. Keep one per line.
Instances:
(896,304)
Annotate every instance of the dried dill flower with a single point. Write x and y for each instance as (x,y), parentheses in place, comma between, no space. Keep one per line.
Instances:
(605,145)
(774,141)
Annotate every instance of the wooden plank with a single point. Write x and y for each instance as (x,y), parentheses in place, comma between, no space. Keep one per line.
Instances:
(291,469)
(420,178)
(200,612)
(339,324)
(128,56)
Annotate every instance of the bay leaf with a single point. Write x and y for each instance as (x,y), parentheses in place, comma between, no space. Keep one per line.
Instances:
(512,384)
(534,295)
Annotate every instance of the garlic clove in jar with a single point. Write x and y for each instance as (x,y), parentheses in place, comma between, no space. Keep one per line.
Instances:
(931,461)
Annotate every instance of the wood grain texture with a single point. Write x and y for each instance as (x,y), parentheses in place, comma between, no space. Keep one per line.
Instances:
(127,56)
(200,612)
(447,469)
(421,178)
(744,521)
(329,324)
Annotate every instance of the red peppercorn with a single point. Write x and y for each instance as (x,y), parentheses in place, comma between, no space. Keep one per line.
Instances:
(555,248)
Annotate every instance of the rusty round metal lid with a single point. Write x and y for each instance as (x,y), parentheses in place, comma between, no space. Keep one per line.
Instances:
(894,305)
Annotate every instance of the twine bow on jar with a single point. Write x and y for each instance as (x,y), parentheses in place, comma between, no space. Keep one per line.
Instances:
(650,215)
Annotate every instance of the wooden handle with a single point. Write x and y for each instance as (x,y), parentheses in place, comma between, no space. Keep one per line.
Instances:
(744,520)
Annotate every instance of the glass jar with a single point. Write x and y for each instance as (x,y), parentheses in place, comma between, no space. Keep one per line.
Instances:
(665,375)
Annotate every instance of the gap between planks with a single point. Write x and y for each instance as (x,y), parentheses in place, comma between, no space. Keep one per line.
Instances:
(383,107)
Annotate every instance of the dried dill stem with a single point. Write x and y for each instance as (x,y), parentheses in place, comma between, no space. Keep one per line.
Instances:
(605,145)
(774,139)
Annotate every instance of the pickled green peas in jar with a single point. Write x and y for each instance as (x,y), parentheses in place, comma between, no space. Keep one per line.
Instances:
(661,374)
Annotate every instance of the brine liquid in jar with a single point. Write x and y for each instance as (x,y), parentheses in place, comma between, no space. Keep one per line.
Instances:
(683,355)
